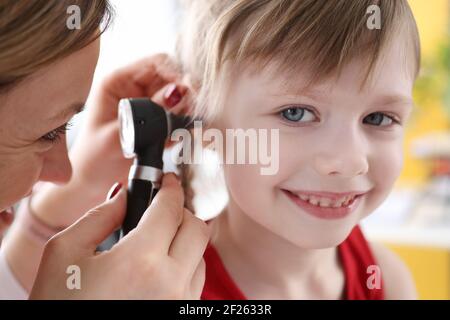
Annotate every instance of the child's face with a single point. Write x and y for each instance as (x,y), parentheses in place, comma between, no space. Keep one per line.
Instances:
(342,141)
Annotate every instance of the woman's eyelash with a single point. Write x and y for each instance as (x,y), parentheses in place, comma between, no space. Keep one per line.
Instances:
(56,134)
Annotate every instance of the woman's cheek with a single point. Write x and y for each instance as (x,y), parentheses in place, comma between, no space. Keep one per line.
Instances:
(17,178)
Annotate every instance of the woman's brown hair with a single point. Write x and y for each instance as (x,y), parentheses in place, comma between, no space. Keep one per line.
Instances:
(34,34)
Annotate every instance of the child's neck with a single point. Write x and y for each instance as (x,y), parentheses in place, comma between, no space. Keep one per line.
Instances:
(266,266)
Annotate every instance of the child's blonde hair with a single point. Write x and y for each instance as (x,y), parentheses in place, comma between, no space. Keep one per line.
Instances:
(219,37)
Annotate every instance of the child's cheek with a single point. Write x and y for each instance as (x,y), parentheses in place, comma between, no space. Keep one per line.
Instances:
(251,191)
(385,167)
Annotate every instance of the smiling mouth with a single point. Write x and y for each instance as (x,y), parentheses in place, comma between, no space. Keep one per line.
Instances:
(326,202)
(333,206)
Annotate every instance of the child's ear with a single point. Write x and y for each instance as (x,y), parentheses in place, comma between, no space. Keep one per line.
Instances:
(191,83)
(193,91)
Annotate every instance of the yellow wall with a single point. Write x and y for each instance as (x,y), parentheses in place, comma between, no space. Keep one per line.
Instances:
(432,19)
(432,22)
(430,268)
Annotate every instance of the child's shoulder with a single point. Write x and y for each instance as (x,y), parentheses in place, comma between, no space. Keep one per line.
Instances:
(397,279)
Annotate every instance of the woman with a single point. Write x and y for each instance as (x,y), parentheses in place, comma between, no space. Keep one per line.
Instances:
(46,71)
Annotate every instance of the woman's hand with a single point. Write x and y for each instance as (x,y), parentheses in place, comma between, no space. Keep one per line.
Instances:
(6,219)
(96,156)
(160,259)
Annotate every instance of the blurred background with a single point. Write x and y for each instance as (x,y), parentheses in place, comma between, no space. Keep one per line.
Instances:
(415,219)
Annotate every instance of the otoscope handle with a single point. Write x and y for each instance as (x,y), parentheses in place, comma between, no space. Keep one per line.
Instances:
(140,195)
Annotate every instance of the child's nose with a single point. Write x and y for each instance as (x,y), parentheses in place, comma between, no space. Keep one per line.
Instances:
(346,157)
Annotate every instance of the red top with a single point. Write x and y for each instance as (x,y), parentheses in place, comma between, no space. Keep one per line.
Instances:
(354,253)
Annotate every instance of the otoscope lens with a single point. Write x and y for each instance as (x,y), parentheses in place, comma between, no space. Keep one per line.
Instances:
(126,128)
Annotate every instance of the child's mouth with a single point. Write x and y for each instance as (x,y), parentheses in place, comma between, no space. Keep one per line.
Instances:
(325,207)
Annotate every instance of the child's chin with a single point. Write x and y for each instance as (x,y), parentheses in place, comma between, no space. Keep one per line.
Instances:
(321,239)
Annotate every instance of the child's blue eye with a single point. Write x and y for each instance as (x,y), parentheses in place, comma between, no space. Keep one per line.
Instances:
(297,114)
(379,119)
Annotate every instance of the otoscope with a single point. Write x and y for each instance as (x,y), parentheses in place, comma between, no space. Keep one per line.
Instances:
(144,128)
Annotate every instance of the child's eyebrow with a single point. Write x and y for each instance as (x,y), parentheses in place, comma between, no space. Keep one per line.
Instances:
(392,99)
(313,94)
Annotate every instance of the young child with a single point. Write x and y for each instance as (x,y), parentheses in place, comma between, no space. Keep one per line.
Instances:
(338,88)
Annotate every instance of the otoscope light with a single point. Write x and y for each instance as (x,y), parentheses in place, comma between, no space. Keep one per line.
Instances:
(127,132)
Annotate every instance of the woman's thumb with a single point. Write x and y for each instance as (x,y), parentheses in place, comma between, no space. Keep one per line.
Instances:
(98,223)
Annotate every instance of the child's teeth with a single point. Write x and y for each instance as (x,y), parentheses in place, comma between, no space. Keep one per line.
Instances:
(347,200)
(313,200)
(325,202)
(303,197)
(338,204)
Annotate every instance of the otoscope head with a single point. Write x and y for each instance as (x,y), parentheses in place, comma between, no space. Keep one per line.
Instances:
(144,128)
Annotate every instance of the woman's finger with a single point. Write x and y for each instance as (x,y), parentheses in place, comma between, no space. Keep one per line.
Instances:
(149,74)
(97,224)
(190,242)
(6,219)
(160,222)
(143,78)
(198,281)
(173,97)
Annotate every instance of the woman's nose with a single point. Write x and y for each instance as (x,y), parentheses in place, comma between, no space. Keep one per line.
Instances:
(345,156)
(57,167)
